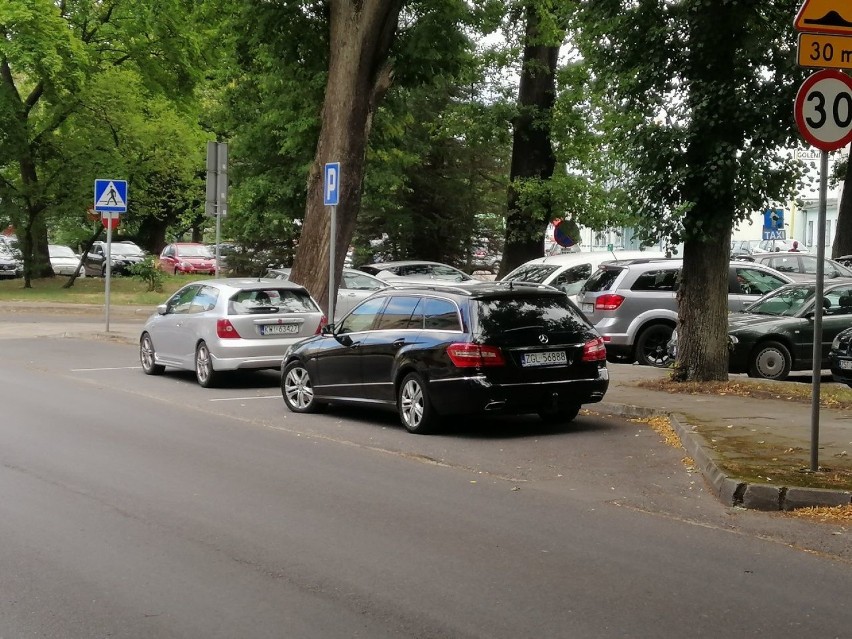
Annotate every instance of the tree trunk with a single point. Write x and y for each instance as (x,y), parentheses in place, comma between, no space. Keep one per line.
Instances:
(843,234)
(710,187)
(532,152)
(359,75)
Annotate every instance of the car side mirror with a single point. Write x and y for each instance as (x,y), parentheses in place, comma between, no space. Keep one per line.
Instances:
(162,309)
(328,329)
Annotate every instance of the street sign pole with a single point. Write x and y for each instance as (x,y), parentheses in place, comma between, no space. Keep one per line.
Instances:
(331,198)
(108,277)
(818,294)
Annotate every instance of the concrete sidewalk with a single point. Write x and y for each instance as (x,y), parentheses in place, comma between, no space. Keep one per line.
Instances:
(706,424)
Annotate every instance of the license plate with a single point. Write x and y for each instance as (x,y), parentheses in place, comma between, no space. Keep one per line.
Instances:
(846,364)
(548,358)
(278,329)
(588,307)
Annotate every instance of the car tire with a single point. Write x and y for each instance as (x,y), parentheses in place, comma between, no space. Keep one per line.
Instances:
(204,372)
(148,356)
(415,408)
(176,271)
(770,360)
(103,270)
(297,389)
(652,346)
(562,415)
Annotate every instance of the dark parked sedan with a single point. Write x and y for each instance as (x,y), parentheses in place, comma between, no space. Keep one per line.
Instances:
(776,334)
(435,350)
(840,357)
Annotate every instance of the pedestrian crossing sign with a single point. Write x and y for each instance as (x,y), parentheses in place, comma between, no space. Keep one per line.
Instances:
(111,196)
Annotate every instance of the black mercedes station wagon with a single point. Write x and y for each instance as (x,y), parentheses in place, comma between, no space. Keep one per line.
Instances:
(433,350)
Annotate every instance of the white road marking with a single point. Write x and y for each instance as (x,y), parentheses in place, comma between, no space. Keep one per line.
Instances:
(240,399)
(115,368)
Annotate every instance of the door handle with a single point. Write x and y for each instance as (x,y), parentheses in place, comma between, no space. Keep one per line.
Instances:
(398,343)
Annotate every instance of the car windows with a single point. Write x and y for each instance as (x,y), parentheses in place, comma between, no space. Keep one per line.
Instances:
(204,300)
(536,273)
(360,282)
(180,302)
(784,301)
(436,315)
(271,300)
(363,316)
(753,281)
(602,280)
(571,279)
(838,301)
(441,272)
(657,280)
(786,264)
(397,313)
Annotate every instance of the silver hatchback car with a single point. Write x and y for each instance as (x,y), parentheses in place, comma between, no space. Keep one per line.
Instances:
(229,324)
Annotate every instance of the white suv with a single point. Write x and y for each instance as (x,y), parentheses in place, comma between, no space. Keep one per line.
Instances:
(633,304)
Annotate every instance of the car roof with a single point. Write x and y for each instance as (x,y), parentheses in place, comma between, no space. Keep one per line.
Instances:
(474,289)
(249,283)
(383,265)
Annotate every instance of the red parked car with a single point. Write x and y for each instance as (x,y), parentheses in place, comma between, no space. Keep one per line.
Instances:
(187,257)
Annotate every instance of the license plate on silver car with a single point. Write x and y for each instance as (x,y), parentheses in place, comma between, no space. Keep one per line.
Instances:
(279,329)
(547,358)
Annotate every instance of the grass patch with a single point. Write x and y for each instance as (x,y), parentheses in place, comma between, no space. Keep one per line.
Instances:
(131,291)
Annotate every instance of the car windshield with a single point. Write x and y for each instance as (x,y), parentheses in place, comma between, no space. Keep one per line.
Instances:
(535,273)
(124,249)
(271,300)
(60,251)
(194,251)
(602,279)
(786,301)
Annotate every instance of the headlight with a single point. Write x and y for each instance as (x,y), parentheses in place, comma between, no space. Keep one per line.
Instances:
(835,344)
(733,339)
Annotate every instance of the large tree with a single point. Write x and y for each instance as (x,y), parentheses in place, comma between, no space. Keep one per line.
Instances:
(54,56)
(367,41)
(700,95)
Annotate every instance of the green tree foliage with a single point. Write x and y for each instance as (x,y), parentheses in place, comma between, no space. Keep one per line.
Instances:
(699,106)
(75,77)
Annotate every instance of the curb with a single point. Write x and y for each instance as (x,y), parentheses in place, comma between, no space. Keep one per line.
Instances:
(730,490)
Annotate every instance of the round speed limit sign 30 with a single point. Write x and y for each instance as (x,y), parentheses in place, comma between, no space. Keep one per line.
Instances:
(824,109)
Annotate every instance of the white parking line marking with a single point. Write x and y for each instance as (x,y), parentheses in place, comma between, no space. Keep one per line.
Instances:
(115,368)
(240,399)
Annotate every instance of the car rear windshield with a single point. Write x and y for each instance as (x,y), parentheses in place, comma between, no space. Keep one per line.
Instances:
(553,313)
(536,273)
(602,279)
(271,300)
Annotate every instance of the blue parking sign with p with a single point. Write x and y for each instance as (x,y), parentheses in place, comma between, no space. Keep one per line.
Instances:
(331,184)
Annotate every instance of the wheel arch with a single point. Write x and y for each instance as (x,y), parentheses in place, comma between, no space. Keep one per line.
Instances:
(780,339)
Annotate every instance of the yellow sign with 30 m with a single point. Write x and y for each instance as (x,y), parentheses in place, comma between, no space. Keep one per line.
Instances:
(825,51)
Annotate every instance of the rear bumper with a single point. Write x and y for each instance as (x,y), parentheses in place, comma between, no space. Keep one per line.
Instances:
(242,354)
(476,394)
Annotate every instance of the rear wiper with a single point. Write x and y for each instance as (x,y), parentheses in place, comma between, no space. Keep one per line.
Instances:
(525,328)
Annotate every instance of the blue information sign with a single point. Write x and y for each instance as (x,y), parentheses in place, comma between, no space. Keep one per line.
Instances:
(111,196)
(331,184)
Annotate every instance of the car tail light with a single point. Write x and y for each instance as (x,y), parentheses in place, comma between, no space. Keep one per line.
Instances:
(323,322)
(594,350)
(225,329)
(465,355)
(608,302)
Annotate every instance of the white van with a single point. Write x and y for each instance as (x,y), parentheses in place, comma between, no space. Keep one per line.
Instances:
(569,271)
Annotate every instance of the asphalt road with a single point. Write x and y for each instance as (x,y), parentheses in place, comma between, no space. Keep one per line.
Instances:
(135,506)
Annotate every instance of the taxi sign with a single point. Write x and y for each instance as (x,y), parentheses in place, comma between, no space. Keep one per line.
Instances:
(825,16)
(825,51)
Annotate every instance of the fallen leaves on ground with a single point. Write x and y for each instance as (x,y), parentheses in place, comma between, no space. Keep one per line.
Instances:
(830,396)
(828,514)
(662,426)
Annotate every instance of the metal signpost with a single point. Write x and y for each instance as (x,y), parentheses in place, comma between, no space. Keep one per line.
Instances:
(823,112)
(111,202)
(331,197)
(216,200)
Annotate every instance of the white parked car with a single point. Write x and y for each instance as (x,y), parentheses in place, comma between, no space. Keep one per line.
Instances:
(230,324)
(354,288)
(64,260)
(569,271)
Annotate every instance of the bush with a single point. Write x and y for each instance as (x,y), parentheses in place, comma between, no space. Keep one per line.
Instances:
(148,272)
